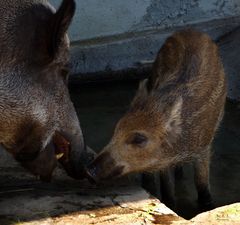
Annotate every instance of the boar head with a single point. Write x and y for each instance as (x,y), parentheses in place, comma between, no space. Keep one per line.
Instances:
(143,138)
(34,100)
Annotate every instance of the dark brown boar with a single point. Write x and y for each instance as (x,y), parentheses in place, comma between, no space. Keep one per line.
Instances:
(34,97)
(174,115)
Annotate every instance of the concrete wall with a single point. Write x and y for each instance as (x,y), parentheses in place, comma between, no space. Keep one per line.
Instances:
(109,36)
(98,18)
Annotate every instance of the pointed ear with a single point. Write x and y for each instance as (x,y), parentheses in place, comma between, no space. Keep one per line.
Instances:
(142,91)
(58,26)
(174,121)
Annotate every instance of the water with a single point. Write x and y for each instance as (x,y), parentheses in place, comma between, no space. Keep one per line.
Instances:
(100,106)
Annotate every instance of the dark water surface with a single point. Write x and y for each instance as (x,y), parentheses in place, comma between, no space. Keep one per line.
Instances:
(100,106)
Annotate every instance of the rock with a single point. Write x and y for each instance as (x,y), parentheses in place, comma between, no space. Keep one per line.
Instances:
(220,216)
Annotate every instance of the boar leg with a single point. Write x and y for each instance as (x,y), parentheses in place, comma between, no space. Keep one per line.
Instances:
(201,169)
(167,185)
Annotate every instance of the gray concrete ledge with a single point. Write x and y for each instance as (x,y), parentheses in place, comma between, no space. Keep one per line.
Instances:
(129,56)
(131,51)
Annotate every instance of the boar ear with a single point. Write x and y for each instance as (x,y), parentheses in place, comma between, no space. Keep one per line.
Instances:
(142,91)
(58,26)
(173,121)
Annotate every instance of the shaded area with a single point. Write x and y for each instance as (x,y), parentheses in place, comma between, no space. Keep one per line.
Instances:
(66,201)
(100,107)
(225,167)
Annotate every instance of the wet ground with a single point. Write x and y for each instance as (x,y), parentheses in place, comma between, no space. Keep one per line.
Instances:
(99,108)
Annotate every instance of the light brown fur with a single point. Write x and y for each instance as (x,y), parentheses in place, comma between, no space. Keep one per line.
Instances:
(175,113)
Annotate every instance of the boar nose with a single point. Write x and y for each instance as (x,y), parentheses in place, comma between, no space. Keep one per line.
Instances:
(77,170)
(77,154)
(99,167)
(103,167)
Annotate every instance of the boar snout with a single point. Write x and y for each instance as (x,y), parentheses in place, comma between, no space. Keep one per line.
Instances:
(74,154)
(103,167)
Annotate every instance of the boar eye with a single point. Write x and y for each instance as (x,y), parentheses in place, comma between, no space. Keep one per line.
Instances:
(139,139)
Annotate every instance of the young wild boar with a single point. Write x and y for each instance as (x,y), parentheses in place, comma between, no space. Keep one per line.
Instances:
(174,115)
(34,98)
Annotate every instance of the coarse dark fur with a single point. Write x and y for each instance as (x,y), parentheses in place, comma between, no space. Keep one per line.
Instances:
(34,97)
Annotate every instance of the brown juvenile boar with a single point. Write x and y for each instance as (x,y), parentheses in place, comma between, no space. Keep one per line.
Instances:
(34,97)
(174,115)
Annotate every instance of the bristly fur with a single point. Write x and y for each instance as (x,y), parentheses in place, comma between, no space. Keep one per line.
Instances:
(34,97)
(177,110)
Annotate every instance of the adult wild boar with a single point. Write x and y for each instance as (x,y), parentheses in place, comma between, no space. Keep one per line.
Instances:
(34,98)
(174,115)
